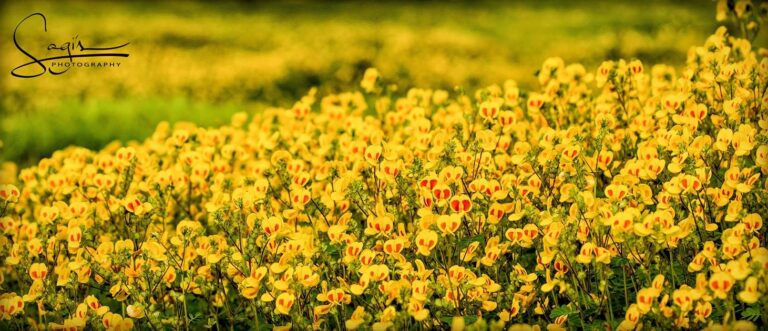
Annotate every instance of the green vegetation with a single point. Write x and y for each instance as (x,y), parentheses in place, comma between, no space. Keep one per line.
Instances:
(94,124)
(217,58)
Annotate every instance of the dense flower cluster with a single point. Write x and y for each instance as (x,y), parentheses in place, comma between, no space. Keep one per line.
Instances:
(633,205)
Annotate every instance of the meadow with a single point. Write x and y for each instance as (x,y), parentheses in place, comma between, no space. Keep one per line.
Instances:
(219,59)
(380,171)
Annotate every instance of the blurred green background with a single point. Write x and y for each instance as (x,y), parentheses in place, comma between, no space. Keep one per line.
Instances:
(192,61)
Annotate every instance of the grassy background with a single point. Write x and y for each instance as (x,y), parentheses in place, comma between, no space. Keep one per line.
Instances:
(199,62)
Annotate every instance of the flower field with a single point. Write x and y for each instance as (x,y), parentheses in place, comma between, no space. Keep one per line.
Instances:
(623,197)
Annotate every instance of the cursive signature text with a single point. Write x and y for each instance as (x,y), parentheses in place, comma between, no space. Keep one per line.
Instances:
(74,50)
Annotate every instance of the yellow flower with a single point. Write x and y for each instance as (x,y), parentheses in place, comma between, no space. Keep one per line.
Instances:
(586,253)
(460,204)
(38,271)
(272,225)
(249,288)
(744,139)
(632,315)
(70,324)
(356,319)
(134,205)
(116,322)
(284,302)
(9,193)
(489,109)
(616,192)
(536,101)
(417,310)
(752,222)
(300,197)
(750,293)
(448,224)
(385,319)
(723,141)
(645,298)
(94,304)
(426,240)
(603,72)
(761,156)
(10,305)
(135,311)
(119,291)
(635,67)
(369,79)
(74,235)
(49,214)
(721,283)
(622,221)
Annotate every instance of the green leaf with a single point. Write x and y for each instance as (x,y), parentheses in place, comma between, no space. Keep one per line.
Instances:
(751,313)
(470,319)
(331,248)
(465,242)
(467,319)
(560,311)
(596,326)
